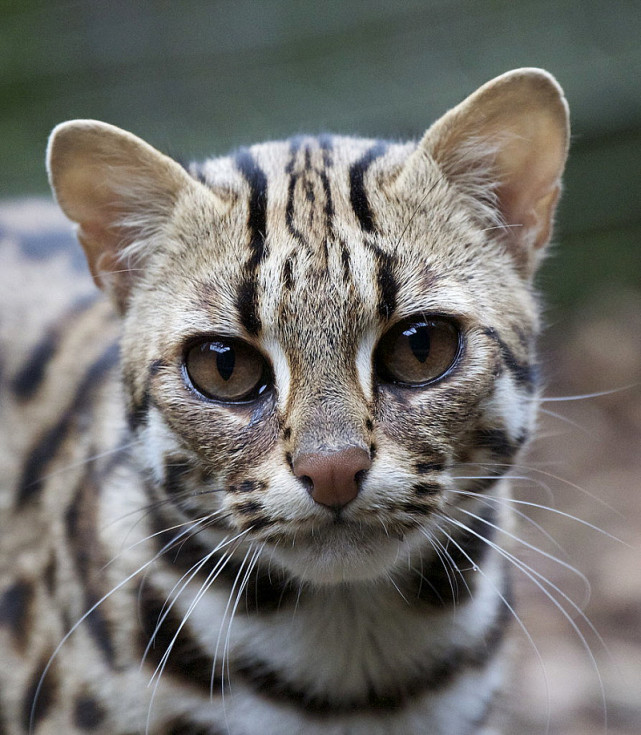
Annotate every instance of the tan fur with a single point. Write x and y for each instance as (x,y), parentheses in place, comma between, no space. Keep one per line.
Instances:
(309,251)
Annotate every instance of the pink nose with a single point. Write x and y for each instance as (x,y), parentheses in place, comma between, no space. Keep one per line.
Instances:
(332,478)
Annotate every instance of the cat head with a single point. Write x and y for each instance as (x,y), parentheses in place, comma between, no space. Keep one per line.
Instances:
(322,334)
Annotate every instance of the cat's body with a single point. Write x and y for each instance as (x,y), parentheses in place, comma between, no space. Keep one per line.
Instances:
(326,366)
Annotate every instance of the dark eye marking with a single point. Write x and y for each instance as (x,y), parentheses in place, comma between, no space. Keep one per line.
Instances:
(524,373)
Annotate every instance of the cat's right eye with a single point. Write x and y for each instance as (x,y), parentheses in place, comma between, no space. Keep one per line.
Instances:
(227,370)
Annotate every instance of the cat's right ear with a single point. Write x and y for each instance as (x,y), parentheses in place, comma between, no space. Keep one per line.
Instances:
(119,190)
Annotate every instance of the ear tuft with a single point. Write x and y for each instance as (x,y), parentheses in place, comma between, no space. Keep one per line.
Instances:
(117,188)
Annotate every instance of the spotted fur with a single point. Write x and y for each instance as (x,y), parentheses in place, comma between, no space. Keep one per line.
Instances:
(164,568)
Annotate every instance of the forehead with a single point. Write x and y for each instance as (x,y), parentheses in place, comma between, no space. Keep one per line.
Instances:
(315,232)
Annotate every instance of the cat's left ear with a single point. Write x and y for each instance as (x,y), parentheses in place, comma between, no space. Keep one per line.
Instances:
(512,134)
(120,191)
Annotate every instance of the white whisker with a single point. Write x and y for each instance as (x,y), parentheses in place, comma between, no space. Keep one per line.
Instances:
(584,396)
(95,606)
(552,476)
(209,581)
(542,583)
(191,523)
(87,460)
(489,499)
(565,420)
(241,588)
(527,545)
(508,606)
(184,581)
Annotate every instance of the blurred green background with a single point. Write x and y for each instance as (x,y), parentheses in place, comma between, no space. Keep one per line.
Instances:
(196,78)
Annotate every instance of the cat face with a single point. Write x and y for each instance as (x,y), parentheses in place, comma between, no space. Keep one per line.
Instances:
(323,336)
(334,339)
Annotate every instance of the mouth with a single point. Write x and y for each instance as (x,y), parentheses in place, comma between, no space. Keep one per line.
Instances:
(340,551)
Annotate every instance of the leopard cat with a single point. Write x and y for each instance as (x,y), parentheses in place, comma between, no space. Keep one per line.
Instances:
(259,487)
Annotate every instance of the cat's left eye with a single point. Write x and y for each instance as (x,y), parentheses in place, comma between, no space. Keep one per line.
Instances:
(416,352)
(226,370)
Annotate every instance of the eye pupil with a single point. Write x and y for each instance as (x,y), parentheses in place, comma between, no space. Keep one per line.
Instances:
(225,361)
(419,342)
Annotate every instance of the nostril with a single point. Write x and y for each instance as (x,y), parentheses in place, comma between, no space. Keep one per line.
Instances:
(307,482)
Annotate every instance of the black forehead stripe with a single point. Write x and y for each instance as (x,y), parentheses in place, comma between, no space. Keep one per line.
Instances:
(247,304)
(326,146)
(387,285)
(294,147)
(386,281)
(295,144)
(326,143)
(257,216)
(357,194)
(247,298)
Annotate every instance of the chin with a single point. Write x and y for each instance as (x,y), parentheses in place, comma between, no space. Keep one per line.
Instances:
(340,554)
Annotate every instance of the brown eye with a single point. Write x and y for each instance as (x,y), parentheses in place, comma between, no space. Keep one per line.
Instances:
(417,351)
(226,370)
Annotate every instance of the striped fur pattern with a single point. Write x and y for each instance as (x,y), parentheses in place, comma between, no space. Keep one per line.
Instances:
(164,568)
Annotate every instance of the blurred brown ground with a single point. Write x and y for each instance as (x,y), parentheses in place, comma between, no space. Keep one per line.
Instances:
(587,460)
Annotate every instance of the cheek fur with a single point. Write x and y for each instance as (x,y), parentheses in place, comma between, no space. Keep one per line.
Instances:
(229,438)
